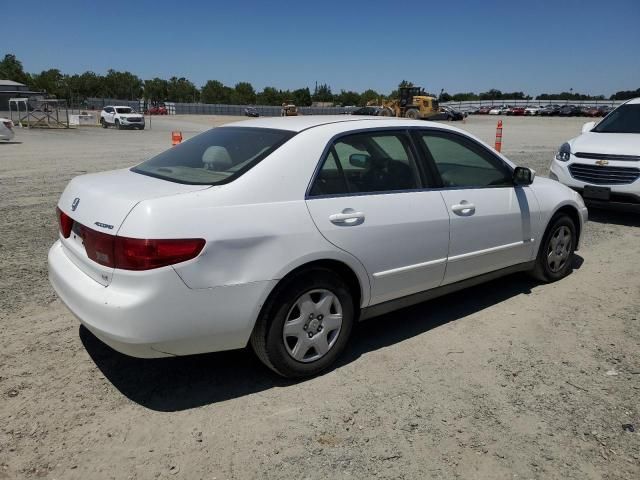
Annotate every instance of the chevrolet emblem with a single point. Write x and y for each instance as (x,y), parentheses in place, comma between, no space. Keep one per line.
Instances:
(602,163)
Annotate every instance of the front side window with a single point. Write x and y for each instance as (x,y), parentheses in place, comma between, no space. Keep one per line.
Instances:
(216,156)
(367,163)
(461,163)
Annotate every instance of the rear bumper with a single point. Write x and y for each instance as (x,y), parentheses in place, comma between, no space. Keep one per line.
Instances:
(154,314)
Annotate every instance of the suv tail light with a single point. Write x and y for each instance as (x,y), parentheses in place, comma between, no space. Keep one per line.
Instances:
(131,253)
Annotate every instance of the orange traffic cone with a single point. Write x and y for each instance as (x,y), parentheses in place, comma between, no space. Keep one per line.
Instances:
(176,138)
(498,146)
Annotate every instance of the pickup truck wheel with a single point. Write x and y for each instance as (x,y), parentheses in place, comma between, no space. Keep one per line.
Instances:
(306,324)
(555,256)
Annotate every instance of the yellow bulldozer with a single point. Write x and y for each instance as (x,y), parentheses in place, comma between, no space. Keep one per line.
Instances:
(413,103)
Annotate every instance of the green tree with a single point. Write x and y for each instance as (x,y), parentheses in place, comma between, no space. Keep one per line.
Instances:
(50,81)
(347,98)
(270,96)
(156,89)
(323,94)
(244,93)
(122,85)
(301,97)
(214,92)
(181,90)
(11,69)
(369,96)
(625,94)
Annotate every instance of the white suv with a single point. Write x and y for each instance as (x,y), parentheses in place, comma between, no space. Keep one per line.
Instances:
(603,163)
(121,117)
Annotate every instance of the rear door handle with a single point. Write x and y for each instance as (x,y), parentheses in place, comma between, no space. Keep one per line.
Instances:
(464,208)
(348,217)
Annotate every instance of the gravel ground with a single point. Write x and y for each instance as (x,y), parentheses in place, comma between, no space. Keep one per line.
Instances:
(507,380)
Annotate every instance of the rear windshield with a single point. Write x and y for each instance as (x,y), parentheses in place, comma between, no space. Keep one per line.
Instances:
(214,157)
(624,119)
(124,110)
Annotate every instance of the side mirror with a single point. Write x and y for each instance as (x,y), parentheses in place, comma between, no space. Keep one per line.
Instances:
(359,160)
(587,127)
(523,176)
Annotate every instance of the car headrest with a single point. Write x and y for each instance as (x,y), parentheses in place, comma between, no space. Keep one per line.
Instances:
(217,158)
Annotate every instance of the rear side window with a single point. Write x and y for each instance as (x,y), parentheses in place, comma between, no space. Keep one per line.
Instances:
(215,157)
(461,163)
(367,163)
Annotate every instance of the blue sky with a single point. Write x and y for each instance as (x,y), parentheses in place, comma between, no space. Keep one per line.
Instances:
(535,46)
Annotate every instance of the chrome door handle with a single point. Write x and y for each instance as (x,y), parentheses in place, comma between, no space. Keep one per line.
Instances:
(464,208)
(348,217)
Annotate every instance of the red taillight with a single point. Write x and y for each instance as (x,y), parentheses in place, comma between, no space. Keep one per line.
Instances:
(142,254)
(65,222)
(134,253)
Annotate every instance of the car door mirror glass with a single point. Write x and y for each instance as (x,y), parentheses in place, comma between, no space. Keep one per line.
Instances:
(359,160)
(523,176)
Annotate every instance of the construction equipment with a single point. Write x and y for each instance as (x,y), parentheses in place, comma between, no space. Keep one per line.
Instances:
(288,110)
(413,103)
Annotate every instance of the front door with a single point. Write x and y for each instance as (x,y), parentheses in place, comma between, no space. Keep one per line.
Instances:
(367,199)
(491,219)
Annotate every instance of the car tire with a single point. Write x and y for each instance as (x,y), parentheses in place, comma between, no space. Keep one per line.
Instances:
(103,123)
(412,114)
(301,304)
(141,128)
(555,256)
(386,112)
(118,126)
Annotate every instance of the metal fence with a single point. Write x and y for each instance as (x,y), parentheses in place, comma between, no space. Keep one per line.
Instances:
(274,111)
(175,108)
(473,104)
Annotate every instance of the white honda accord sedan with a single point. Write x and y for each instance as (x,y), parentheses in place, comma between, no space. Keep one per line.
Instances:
(283,232)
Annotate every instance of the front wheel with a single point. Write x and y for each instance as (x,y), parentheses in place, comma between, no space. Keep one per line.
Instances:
(103,123)
(555,256)
(306,325)
(118,126)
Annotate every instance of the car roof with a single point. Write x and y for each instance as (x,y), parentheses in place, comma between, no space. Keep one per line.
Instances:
(344,122)
(116,106)
(634,101)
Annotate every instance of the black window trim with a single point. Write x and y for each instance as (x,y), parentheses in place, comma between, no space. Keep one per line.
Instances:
(474,145)
(426,166)
(402,130)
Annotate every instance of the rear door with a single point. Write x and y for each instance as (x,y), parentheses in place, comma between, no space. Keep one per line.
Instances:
(368,199)
(491,219)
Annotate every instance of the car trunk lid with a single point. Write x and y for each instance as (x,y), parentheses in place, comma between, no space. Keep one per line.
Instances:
(101,202)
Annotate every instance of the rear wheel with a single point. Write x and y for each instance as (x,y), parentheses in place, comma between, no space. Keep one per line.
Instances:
(555,256)
(306,325)
(413,114)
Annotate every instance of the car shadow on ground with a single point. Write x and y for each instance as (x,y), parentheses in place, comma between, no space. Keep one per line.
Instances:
(627,219)
(181,383)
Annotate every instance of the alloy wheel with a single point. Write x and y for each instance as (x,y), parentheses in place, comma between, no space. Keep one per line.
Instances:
(559,248)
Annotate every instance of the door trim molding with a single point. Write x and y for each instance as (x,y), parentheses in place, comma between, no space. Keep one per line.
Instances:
(477,253)
(407,268)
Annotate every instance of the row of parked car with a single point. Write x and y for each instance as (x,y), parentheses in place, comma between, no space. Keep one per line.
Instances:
(546,110)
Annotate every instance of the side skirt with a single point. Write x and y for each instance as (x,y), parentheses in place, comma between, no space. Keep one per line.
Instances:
(413,299)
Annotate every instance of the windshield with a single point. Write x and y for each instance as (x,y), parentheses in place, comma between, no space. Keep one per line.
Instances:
(124,110)
(624,119)
(216,156)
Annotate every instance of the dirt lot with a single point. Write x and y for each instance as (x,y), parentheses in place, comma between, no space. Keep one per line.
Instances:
(508,380)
